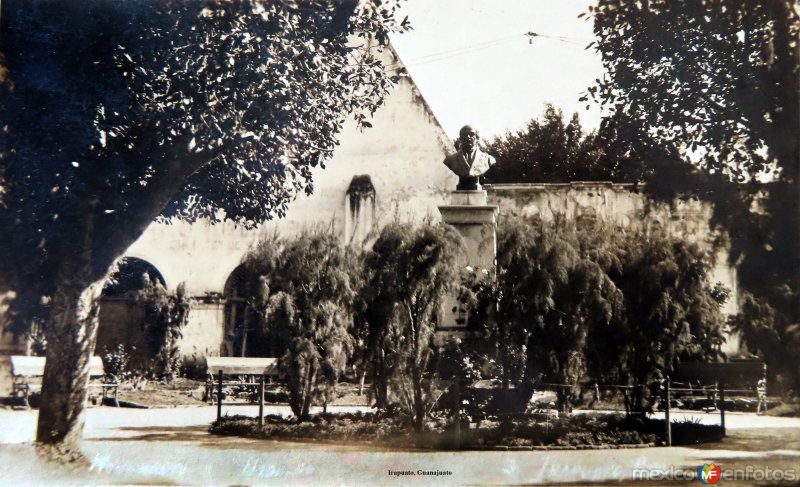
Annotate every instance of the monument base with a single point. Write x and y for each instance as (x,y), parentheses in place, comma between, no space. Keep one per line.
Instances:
(468,198)
(476,221)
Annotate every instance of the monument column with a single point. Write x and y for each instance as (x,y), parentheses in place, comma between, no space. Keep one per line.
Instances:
(476,221)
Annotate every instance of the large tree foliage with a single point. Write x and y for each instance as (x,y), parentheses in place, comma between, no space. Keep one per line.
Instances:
(551,150)
(672,313)
(717,82)
(771,337)
(245,301)
(381,316)
(721,76)
(554,292)
(115,113)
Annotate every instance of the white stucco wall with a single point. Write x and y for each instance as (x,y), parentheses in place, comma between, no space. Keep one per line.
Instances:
(402,153)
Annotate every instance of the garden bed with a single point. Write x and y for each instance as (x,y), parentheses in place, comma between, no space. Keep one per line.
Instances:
(576,432)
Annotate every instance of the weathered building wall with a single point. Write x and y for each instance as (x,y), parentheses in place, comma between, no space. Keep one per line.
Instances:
(627,206)
(121,321)
(204,332)
(401,157)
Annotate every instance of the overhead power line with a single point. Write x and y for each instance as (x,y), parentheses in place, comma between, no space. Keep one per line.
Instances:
(464,50)
(568,40)
(451,53)
(443,55)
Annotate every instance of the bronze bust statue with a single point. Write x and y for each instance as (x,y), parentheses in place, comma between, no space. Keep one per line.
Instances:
(469,163)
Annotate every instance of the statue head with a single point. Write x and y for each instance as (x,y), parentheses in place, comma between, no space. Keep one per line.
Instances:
(468,163)
(468,137)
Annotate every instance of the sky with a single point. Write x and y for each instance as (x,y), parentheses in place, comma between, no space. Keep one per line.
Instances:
(474,64)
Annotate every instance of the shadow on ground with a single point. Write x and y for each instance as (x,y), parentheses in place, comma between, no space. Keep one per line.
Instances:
(757,440)
(158,433)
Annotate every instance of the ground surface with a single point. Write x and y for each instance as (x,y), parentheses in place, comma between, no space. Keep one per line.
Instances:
(186,392)
(181,392)
(172,446)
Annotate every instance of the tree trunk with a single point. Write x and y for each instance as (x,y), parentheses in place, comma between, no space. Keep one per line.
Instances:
(637,401)
(419,405)
(627,402)
(380,382)
(245,326)
(562,399)
(457,413)
(526,388)
(86,257)
(504,380)
(71,336)
(308,389)
(361,382)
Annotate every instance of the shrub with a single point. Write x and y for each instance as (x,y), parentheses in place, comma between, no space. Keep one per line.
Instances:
(234,426)
(410,270)
(585,300)
(193,367)
(303,289)
(165,316)
(395,430)
(115,363)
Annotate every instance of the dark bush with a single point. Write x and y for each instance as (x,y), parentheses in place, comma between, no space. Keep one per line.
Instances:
(583,430)
(194,368)
(234,426)
(35,399)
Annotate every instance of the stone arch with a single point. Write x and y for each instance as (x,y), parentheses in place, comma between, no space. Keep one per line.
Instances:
(236,316)
(226,276)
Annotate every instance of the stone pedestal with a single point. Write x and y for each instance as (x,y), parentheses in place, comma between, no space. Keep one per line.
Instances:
(477,223)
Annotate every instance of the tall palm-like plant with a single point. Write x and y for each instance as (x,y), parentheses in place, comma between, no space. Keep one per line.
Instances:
(411,269)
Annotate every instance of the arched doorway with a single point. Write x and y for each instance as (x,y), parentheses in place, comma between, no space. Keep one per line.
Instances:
(245,333)
(121,317)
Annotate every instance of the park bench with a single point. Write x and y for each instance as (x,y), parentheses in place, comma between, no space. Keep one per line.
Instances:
(242,372)
(27,372)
